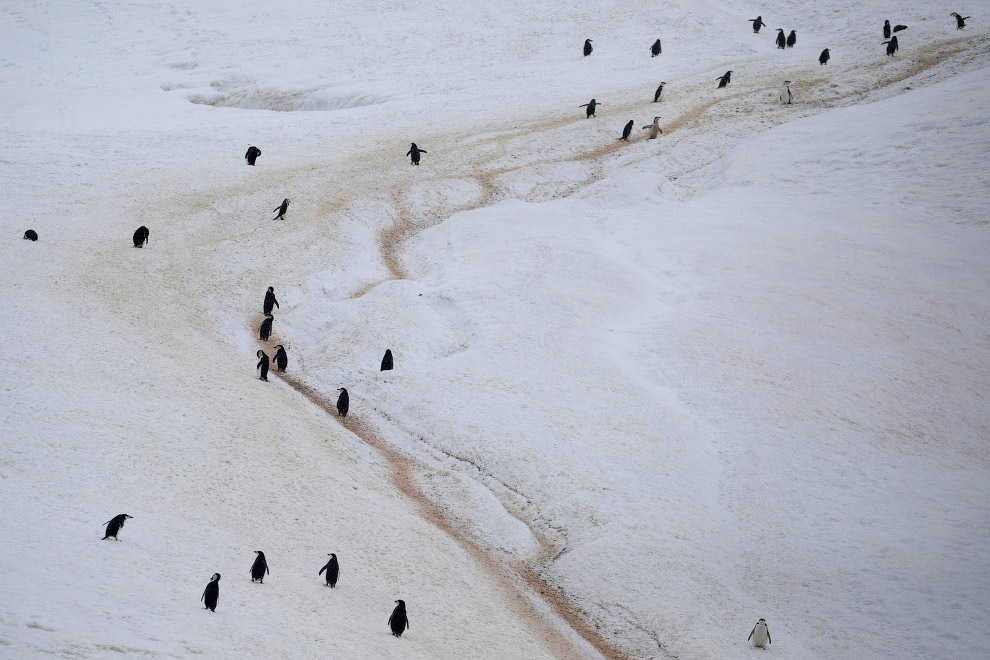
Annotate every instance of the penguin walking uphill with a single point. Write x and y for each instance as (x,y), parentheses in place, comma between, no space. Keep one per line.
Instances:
(399,622)
(114,525)
(781,39)
(654,129)
(960,20)
(590,105)
(265,331)
(627,130)
(587,47)
(760,635)
(270,301)
(724,80)
(332,571)
(824,57)
(757,24)
(343,402)
(212,593)
(387,360)
(657,95)
(281,359)
(262,365)
(655,49)
(892,46)
(141,236)
(792,39)
(252,154)
(259,568)
(785,93)
(281,209)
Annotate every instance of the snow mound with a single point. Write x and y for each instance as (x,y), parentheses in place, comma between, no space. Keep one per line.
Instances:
(249,97)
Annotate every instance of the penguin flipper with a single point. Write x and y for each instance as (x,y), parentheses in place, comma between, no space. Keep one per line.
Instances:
(769,641)
(323,569)
(751,633)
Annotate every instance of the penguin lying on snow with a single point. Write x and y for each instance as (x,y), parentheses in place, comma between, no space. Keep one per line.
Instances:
(212,593)
(114,524)
(30,235)
(760,634)
(399,622)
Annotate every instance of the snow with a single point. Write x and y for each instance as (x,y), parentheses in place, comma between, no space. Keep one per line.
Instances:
(736,372)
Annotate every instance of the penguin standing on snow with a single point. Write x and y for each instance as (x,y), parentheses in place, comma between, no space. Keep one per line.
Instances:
(281,209)
(792,39)
(824,57)
(259,568)
(960,20)
(781,39)
(332,569)
(627,130)
(760,634)
(659,93)
(886,29)
(252,154)
(141,236)
(387,360)
(343,402)
(785,93)
(590,105)
(655,48)
(265,331)
(270,301)
(891,46)
(399,622)
(30,235)
(724,80)
(757,24)
(654,129)
(587,47)
(212,593)
(281,359)
(263,365)
(414,153)
(114,524)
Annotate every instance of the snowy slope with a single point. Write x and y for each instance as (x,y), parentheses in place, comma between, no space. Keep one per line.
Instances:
(737,372)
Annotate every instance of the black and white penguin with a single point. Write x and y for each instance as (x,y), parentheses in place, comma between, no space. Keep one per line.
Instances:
(414,153)
(627,130)
(387,360)
(263,365)
(898,28)
(781,39)
(270,301)
(757,24)
(961,20)
(654,129)
(281,359)
(30,235)
(891,46)
(259,568)
(824,57)
(785,93)
(332,569)
(141,236)
(587,47)
(655,48)
(252,154)
(399,622)
(760,634)
(212,593)
(792,39)
(343,402)
(724,80)
(886,29)
(114,524)
(590,105)
(658,95)
(281,209)
(265,331)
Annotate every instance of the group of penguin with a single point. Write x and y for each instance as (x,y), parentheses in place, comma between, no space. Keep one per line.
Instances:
(398,621)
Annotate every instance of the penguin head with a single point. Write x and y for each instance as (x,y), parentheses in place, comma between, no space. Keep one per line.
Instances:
(128,516)
(342,389)
(825,51)
(780,29)
(763,621)
(662,84)
(787,82)
(332,555)
(656,118)
(401,603)
(215,578)
(587,40)
(259,353)
(279,347)
(260,554)
(271,289)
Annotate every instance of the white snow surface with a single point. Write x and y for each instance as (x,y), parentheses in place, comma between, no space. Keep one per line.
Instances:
(737,372)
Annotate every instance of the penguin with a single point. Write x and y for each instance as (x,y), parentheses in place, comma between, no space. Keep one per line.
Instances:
(591,105)
(792,39)
(263,365)
(627,130)
(332,569)
(212,593)
(898,28)
(785,93)
(824,57)
(30,235)
(724,80)
(265,331)
(587,47)
(781,39)
(886,29)
(141,236)
(757,24)
(891,46)
(654,129)
(114,524)
(252,154)
(387,360)
(399,622)
(281,359)
(414,152)
(281,209)
(343,402)
(760,634)
(655,48)
(960,21)
(270,301)
(657,95)
(259,568)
